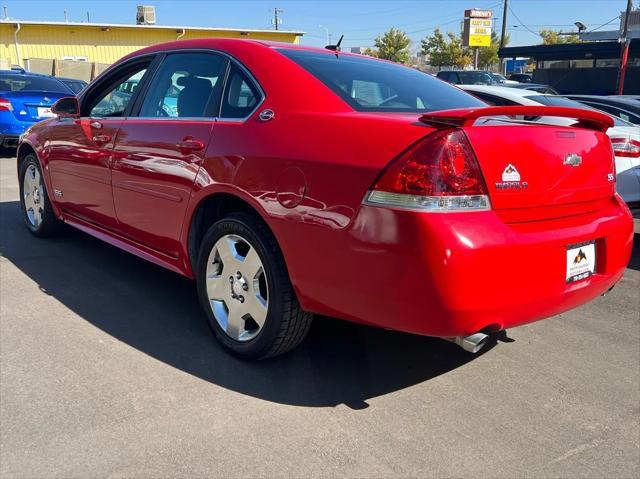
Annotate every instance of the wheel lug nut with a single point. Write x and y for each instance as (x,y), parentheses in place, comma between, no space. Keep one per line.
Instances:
(245,286)
(241,298)
(230,279)
(238,275)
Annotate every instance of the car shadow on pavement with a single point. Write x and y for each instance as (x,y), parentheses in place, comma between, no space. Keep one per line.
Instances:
(157,312)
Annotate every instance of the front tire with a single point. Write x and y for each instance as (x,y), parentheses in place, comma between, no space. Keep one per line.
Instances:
(245,291)
(36,207)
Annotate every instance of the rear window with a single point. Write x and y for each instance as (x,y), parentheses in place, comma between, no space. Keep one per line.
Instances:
(552,100)
(373,85)
(10,83)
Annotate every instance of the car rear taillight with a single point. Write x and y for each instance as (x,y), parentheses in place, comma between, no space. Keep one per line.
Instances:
(5,105)
(626,147)
(439,173)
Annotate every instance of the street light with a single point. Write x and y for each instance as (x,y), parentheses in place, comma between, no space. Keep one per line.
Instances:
(581,26)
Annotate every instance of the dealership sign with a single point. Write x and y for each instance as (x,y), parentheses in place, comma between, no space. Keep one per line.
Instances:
(476,31)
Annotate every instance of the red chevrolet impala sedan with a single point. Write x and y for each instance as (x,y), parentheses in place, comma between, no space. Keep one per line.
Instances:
(289,181)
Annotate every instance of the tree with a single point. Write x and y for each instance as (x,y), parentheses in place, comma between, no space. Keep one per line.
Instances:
(552,37)
(488,56)
(446,51)
(393,45)
(370,52)
(435,47)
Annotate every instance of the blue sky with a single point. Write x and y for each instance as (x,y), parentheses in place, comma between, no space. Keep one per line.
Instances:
(359,20)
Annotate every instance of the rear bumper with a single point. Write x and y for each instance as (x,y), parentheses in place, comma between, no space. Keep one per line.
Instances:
(10,131)
(453,274)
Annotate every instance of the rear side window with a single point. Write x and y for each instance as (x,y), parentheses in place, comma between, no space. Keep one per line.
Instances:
(373,85)
(241,95)
(187,85)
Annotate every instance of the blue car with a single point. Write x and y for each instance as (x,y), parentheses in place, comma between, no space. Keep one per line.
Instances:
(25,98)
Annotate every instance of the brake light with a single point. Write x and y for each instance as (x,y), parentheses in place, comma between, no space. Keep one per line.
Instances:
(625,147)
(5,105)
(439,173)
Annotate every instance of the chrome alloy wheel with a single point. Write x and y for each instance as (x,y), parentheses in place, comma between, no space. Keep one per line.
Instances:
(33,194)
(237,287)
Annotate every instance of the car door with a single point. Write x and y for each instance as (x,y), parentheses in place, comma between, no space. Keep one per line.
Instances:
(161,146)
(80,149)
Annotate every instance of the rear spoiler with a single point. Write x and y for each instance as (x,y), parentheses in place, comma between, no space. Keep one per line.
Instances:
(591,119)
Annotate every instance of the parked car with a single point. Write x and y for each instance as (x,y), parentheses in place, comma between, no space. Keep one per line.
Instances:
(501,80)
(625,137)
(466,77)
(521,77)
(416,220)
(626,108)
(537,87)
(73,84)
(25,98)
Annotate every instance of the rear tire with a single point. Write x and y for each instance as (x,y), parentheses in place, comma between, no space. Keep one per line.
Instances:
(36,207)
(245,291)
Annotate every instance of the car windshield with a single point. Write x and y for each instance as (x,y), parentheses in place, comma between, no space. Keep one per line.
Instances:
(553,100)
(373,85)
(11,83)
(497,77)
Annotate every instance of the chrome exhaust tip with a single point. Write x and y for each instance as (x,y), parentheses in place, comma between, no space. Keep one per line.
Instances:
(608,291)
(473,343)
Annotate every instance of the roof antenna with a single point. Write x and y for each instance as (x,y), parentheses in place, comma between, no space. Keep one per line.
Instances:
(336,47)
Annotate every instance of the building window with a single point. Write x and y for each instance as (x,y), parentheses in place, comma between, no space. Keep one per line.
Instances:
(581,63)
(549,64)
(607,62)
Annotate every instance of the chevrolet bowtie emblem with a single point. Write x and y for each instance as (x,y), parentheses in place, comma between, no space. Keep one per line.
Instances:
(573,160)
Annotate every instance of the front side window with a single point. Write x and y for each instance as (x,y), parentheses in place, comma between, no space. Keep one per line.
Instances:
(187,85)
(115,100)
(367,84)
(241,95)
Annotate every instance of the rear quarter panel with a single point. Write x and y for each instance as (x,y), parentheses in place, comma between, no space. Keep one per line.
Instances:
(307,170)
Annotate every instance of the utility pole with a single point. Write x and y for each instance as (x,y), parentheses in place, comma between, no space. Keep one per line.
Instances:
(625,39)
(276,19)
(504,33)
(4,9)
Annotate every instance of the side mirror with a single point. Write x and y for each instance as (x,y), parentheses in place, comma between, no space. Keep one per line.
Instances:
(67,107)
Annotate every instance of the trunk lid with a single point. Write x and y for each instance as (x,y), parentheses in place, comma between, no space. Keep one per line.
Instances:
(533,166)
(32,105)
(535,172)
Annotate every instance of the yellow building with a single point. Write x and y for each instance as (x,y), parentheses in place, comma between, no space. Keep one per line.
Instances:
(65,48)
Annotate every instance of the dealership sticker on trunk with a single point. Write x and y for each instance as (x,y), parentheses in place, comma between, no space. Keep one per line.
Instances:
(581,261)
(511,179)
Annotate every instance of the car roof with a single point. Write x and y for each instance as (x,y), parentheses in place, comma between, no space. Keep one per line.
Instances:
(24,73)
(220,43)
(465,71)
(69,79)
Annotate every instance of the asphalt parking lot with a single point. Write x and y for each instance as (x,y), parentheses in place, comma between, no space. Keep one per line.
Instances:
(108,369)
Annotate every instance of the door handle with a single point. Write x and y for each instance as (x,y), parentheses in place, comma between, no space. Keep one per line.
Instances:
(190,145)
(102,139)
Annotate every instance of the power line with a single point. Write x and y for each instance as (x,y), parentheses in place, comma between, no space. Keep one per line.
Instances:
(522,23)
(617,17)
